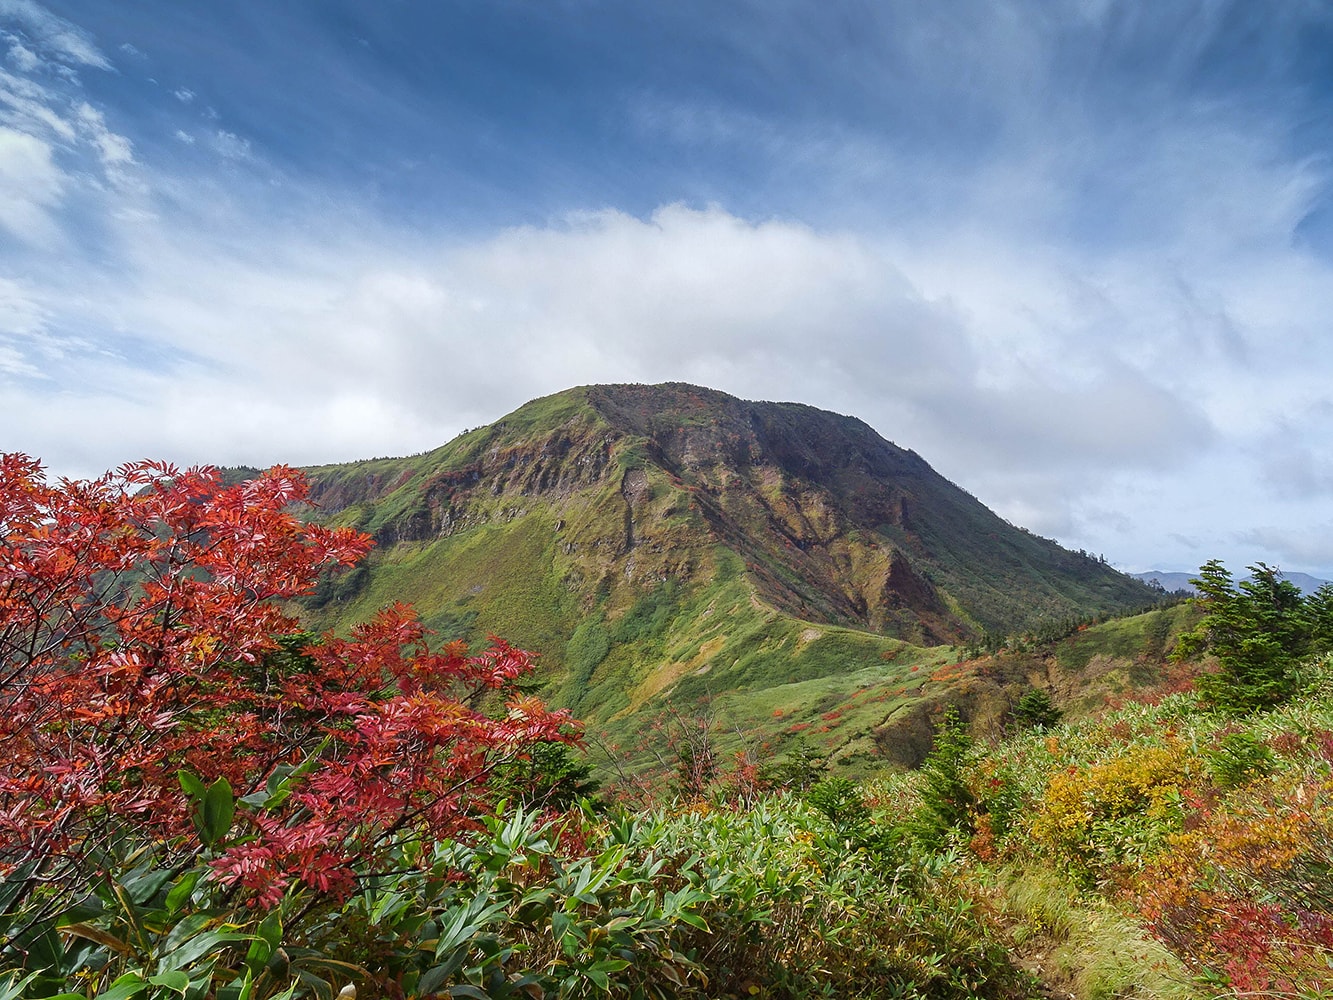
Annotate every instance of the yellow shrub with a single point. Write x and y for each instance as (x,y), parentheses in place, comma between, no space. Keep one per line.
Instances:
(1106,812)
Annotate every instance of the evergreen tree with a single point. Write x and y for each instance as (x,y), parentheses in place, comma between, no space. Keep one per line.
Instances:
(947,803)
(1258,630)
(1319,615)
(1035,710)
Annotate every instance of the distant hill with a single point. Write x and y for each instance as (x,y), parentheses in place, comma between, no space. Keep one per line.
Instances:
(670,542)
(1173,581)
(1305,581)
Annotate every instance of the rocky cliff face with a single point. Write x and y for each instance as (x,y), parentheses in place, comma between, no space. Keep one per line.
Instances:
(674,554)
(834,523)
(674,546)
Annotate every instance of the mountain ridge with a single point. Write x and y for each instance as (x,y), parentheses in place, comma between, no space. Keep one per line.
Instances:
(779,462)
(1173,580)
(668,543)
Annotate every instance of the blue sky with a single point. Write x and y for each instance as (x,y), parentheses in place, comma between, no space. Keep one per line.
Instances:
(1077,255)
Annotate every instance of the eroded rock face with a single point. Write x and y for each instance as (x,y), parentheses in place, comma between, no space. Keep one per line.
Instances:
(834,523)
(668,542)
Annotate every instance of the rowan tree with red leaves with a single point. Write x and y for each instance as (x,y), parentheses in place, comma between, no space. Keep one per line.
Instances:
(147,644)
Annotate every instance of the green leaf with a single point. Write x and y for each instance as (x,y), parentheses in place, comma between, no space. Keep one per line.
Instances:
(11,886)
(562,928)
(129,985)
(47,951)
(600,978)
(216,812)
(181,892)
(175,980)
(131,913)
(321,989)
(143,885)
(435,976)
(693,919)
(255,800)
(278,778)
(202,944)
(270,928)
(11,986)
(275,790)
(187,927)
(257,956)
(191,784)
(280,784)
(466,923)
(268,938)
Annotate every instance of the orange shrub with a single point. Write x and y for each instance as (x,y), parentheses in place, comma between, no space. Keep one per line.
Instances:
(1246,897)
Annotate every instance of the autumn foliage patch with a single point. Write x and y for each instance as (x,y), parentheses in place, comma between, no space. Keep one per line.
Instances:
(158,695)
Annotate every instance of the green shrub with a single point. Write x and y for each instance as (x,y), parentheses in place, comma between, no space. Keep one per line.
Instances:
(840,800)
(1239,757)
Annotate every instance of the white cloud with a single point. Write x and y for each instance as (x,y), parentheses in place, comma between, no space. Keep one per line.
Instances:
(183,94)
(65,41)
(1293,549)
(23,58)
(771,310)
(22,326)
(115,151)
(33,108)
(1050,389)
(30,187)
(54,144)
(12,362)
(230,145)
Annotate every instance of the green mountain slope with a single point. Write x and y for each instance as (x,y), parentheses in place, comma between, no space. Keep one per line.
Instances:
(671,541)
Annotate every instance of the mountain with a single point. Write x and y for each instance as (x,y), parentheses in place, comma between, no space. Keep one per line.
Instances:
(1169,580)
(1308,584)
(1173,581)
(673,541)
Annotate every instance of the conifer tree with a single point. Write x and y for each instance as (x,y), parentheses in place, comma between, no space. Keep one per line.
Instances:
(947,803)
(1258,630)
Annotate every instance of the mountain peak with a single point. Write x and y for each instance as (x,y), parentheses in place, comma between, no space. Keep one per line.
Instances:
(834,523)
(656,539)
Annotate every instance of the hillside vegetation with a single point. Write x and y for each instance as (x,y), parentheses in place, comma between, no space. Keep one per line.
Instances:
(660,546)
(204,801)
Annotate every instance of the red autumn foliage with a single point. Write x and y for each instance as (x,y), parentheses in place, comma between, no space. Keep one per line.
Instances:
(143,631)
(1243,891)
